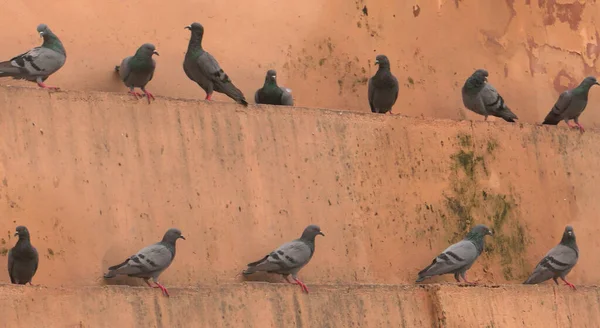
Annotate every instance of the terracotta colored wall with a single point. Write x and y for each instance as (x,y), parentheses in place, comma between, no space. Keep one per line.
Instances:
(324,50)
(96,176)
(260,305)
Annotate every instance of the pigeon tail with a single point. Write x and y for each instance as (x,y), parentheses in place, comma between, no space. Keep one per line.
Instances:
(231,91)
(552,118)
(8,70)
(508,115)
(110,274)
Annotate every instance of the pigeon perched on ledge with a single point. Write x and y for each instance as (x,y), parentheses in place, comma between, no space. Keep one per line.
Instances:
(570,104)
(383,87)
(202,68)
(271,93)
(558,262)
(37,64)
(150,261)
(459,257)
(23,259)
(137,70)
(481,97)
(289,258)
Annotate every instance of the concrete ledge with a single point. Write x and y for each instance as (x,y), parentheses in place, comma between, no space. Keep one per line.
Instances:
(283,306)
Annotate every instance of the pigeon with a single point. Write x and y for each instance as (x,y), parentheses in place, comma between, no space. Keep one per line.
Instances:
(273,94)
(22,259)
(558,262)
(570,104)
(383,87)
(138,70)
(37,64)
(482,98)
(289,258)
(459,257)
(202,68)
(150,261)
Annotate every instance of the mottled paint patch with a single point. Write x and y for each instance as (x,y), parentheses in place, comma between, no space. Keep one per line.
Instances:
(563,81)
(570,13)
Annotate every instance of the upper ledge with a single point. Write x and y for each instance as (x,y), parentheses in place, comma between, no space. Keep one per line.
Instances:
(127,100)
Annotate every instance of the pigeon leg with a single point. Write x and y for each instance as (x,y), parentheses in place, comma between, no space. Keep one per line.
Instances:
(137,95)
(148,283)
(148,95)
(485,118)
(579,125)
(208,96)
(302,285)
(568,283)
(44,86)
(555,281)
(464,276)
(572,126)
(162,288)
(456,277)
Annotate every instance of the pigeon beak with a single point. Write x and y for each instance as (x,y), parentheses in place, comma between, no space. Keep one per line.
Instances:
(597,83)
(189,27)
(155,52)
(16,233)
(321,233)
(376,62)
(491,233)
(42,34)
(182,237)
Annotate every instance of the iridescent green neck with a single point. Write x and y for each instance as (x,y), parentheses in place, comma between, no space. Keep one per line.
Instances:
(51,41)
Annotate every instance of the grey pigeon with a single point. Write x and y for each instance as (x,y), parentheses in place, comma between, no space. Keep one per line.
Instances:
(289,258)
(22,259)
(383,87)
(273,94)
(150,261)
(459,257)
(202,68)
(37,64)
(137,70)
(558,262)
(570,104)
(482,98)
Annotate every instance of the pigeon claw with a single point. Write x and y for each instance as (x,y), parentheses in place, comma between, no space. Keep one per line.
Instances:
(149,95)
(44,86)
(302,285)
(162,288)
(208,97)
(568,284)
(137,95)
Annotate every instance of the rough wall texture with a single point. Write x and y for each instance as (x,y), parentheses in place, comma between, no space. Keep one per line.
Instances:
(261,305)
(325,51)
(96,176)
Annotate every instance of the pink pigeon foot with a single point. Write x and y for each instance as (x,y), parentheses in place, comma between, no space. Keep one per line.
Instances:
(137,95)
(44,86)
(568,283)
(162,288)
(149,95)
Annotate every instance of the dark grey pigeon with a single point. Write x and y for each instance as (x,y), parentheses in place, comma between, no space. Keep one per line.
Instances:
(22,259)
(383,87)
(137,70)
(289,258)
(37,64)
(459,257)
(273,94)
(558,262)
(570,104)
(482,98)
(150,261)
(202,68)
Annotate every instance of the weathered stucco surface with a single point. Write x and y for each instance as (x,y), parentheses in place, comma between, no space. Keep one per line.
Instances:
(324,51)
(95,176)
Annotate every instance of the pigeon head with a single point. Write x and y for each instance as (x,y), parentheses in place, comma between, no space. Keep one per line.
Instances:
(589,81)
(382,61)
(22,232)
(479,231)
(481,74)
(43,30)
(311,232)
(568,236)
(196,28)
(172,235)
(271,76)
(147,49)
